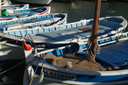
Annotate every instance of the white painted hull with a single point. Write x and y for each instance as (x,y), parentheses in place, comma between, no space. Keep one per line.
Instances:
(4,3)
(26,80)
(11,54)
(53,74)
(17,7)
(46,2)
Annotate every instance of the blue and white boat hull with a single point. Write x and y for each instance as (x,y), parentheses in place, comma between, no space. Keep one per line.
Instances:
(59,75)
(70,32)
(16,7)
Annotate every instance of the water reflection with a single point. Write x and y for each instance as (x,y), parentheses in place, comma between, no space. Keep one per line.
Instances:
(78,10)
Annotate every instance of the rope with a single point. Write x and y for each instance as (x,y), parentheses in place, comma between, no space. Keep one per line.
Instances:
(12,67)
(34,73)
(41,77)
(13,35)
(36,67)
(9,2)
(2,36)
(97,49)
(41,73)
(89,47)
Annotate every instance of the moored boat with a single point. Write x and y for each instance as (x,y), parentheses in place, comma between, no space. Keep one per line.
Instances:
(24,15)
(44,21)
(53,36)
(12,52)
(16,7)
(13,47)
(49,66)
(69,65)
(6,15)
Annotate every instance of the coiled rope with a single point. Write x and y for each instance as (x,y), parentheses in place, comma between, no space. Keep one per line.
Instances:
(96,48)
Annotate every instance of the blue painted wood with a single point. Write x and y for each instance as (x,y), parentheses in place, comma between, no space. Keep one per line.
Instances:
(101,41)
(57,52)
(115,54)
(78,78)
(18,33)
(34,31)
(49,52)
(84,45)
(23,33)
(11,33)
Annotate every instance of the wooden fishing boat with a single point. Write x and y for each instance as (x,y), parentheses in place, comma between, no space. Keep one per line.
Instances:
(69,65)
(53,36)
(44,21)
(12,52)
(113,56)
(16,7)
(24,15)
(12,48)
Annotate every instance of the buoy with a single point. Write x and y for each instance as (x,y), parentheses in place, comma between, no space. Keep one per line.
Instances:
(26,47)
(4,12)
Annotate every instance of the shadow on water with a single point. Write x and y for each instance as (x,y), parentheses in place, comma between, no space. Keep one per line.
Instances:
(76,11)
(14,76)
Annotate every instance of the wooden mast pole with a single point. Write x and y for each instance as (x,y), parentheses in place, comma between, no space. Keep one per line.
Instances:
(95,25)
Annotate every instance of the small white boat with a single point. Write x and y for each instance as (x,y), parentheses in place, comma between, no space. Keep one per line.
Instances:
(53,36)
(24,15)
(16,7)
(12,52)
(44,21)
(41,2)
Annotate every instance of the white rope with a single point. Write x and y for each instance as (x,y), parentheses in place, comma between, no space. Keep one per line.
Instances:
(89,44)
(97,48)
(36,67)
(2,36)
(41,73)
(34,73)
(41,77)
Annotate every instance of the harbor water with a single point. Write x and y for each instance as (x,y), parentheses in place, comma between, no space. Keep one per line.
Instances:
(76,10)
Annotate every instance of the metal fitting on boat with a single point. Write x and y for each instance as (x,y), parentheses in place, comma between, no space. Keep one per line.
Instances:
(35,50)
(68,66)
